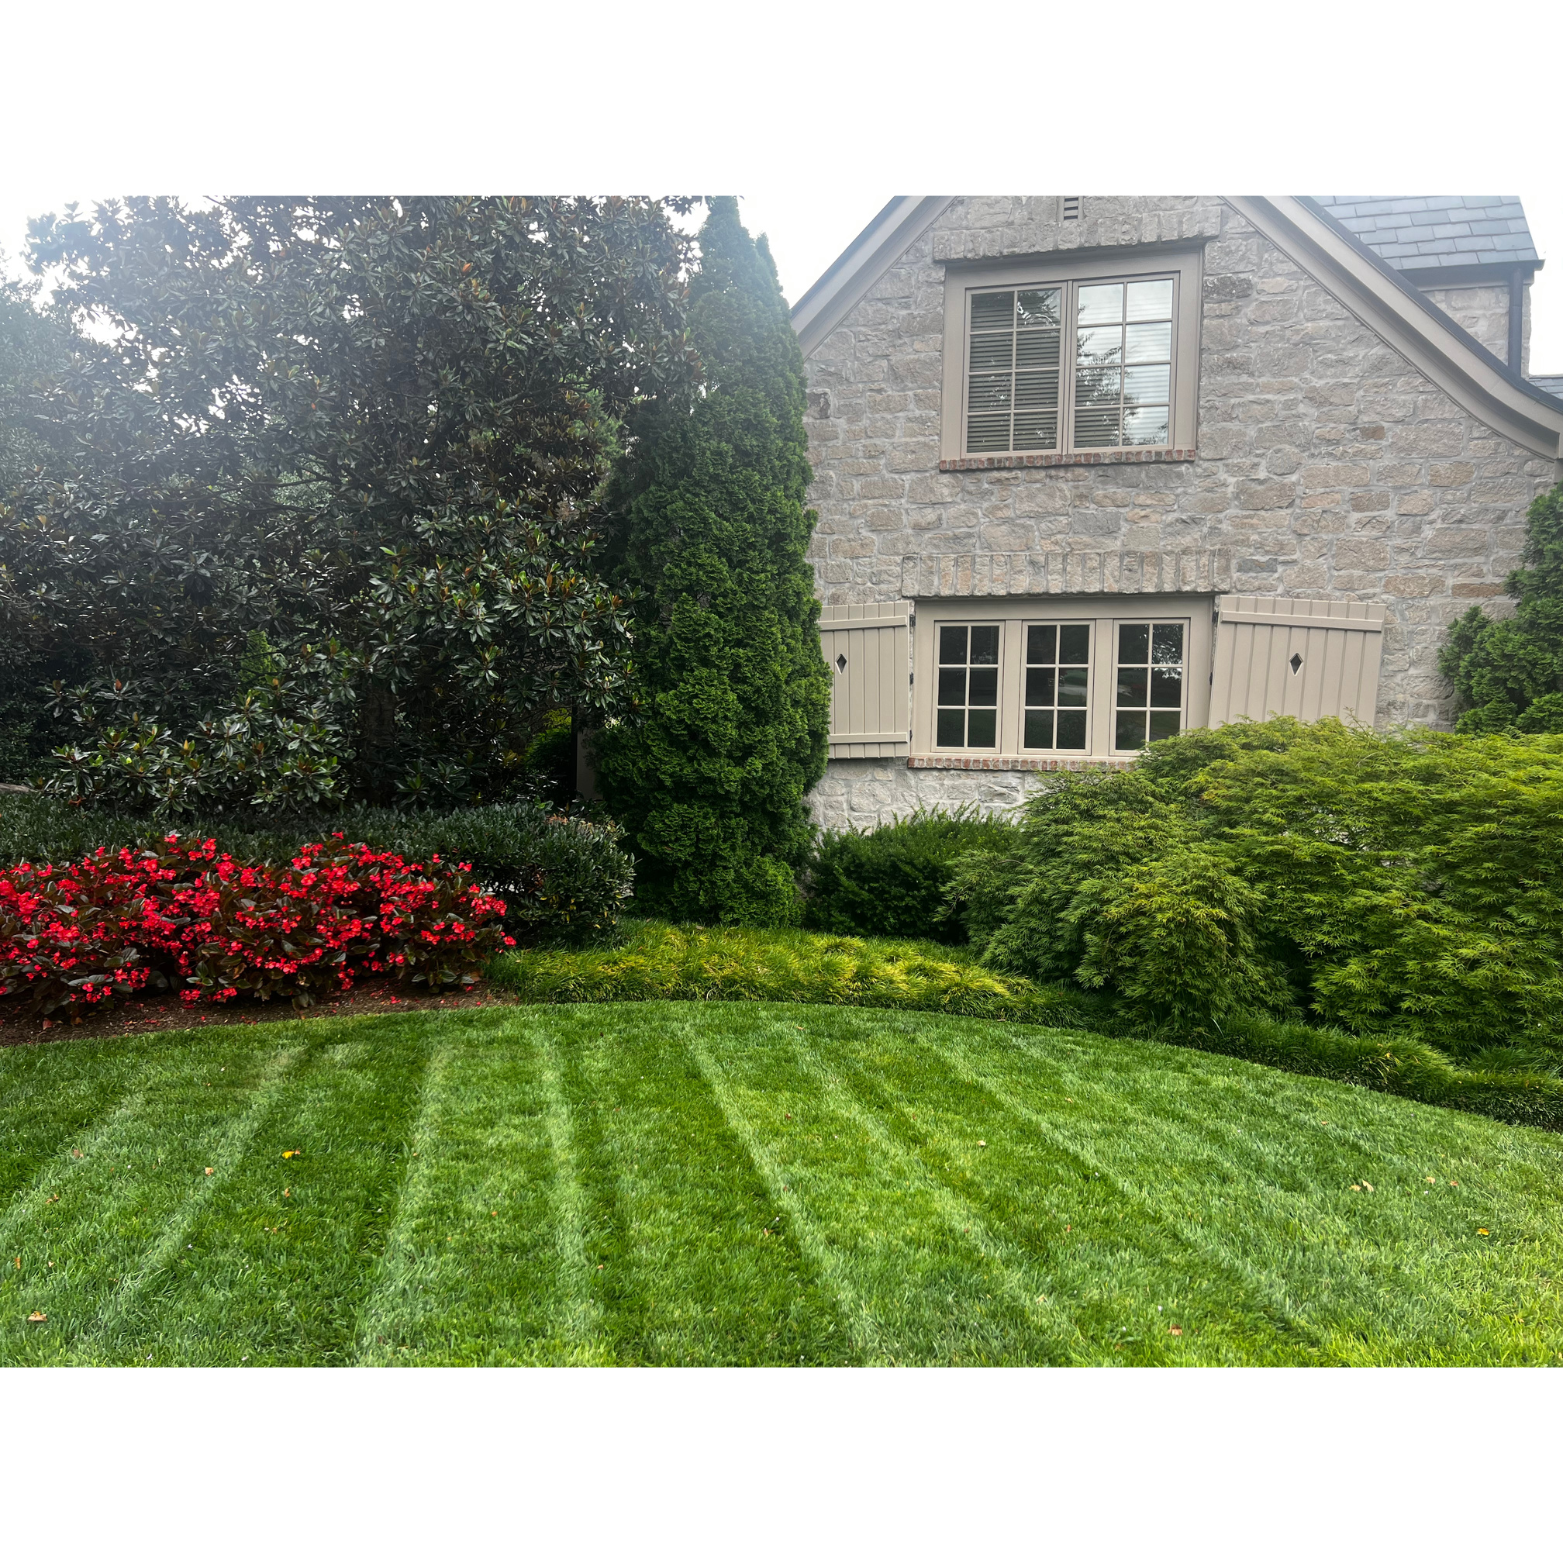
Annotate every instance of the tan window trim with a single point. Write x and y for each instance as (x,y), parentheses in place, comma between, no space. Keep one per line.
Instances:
(1013,614)
(961,281)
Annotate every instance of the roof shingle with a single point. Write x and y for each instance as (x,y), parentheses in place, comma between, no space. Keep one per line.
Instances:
(1417,232)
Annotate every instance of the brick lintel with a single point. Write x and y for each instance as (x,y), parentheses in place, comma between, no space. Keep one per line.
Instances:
(1012,762)
(1074,458)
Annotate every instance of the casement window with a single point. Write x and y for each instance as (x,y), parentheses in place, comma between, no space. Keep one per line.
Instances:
(1041,682)
(1100,680)
(1071,360)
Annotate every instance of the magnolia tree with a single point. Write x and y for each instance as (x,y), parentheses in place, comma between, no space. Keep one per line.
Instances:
(312,498)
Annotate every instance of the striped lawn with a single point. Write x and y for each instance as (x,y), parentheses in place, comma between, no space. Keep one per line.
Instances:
(749,1183)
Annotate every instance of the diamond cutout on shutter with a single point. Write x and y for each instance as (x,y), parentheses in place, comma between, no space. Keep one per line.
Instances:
(1296,662)
(841,663)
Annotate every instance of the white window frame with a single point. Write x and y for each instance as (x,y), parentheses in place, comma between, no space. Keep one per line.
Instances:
(962,282)
(1014,615)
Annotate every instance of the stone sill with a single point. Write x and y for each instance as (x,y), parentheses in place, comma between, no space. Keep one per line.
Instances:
(1016,762)
(1128,456)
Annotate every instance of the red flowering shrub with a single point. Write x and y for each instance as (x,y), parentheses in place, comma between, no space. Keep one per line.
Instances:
(114,922)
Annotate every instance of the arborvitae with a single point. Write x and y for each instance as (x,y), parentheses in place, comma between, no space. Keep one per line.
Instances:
(1508,673)
(709,778)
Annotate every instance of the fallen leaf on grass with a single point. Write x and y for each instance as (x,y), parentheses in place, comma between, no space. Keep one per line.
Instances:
(210,1171)
(1368,1187)
(1357,1187)
(1174,1329)
(1454,1183)
(76,1154)
(53,1199)
(286,1193)
(1483,1232)
(1432,1180)
(287,1154)
(37,1318)
(983,1144)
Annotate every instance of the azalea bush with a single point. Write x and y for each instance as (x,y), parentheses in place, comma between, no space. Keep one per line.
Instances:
(78,936)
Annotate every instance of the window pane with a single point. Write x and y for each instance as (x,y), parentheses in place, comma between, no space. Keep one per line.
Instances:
(1145,426)
(1146,383)
(1164,724)
(992,311)
(1039,686)
(1132,684)
(1040,390)
(981,729)
(1099,345)
(992,352)
(1096,428)
(1167,687)
(1147,344)
(1134,642)
(985,644)
(989,432)
(982,688)
(988,392)
(1072,686)
(1150,300)
(1074,643)
(1037,349)
(1167,643)
(1101,302)
(952,686)
(1041,640)
(1130,730)
(1039,730)
(1071,730)
(1036,430)
(952,643)
(1040,307)
(952,729)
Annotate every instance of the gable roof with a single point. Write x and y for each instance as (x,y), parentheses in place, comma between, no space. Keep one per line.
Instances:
(1360,279)
(1419,233)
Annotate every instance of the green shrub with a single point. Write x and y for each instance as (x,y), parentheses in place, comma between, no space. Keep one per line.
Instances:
(733,696)
(1407,883)
(895,881)
(1508,673)
(563,880)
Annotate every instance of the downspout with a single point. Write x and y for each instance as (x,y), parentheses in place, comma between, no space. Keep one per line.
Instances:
(1516,318)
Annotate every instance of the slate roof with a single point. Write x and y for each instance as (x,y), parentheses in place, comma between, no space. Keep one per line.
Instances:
(1552,384)
(1420,232)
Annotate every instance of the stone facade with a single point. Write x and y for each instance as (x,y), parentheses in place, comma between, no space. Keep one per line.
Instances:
(1484,312)
(1326,465)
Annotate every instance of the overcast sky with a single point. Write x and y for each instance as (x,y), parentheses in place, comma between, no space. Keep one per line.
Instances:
(808,229)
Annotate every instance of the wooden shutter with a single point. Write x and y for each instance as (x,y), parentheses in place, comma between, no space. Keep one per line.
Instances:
(1295,656)
(868,650)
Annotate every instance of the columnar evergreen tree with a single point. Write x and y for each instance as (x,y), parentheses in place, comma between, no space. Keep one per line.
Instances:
(1508,673)
(710,775)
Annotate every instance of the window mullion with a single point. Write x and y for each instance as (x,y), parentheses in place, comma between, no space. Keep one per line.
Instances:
(1066,358)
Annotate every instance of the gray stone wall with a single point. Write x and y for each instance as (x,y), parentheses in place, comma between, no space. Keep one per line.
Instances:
(1327,465)
(1484,312)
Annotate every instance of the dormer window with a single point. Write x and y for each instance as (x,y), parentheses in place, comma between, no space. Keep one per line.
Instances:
(1095,358)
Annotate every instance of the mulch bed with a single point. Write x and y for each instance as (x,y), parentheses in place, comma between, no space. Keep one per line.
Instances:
(168,1012)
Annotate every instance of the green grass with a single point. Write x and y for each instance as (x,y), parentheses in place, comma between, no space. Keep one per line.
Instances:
(749,1183)
(656,960)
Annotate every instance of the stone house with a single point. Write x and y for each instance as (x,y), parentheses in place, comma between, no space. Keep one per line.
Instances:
(1090,470)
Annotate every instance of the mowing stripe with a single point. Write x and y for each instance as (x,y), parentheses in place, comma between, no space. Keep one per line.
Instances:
(580,1320)
(1010,1274)
(231,1142)
(457,1281)
(395,1290)
(864,1329)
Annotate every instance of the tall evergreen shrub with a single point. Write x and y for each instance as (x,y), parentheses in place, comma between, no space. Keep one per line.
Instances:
(1508,673)
(709,779)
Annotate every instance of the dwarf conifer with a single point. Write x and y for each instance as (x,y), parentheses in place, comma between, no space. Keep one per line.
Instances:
(709,779)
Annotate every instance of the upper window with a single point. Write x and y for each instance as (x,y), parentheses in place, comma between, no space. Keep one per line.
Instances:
(1086,363)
